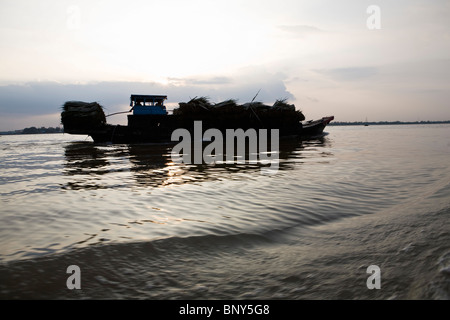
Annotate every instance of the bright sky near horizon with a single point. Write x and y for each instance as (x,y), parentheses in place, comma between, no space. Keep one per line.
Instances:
(354,59)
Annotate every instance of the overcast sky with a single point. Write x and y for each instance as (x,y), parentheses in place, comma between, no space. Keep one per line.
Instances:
(354,59)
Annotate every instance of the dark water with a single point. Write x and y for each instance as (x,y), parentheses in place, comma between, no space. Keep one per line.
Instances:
(142,227)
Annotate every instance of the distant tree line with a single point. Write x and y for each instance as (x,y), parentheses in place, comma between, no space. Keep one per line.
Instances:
(362,123)
(34,130)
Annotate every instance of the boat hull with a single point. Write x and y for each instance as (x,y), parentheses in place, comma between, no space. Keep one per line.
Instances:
(158,129)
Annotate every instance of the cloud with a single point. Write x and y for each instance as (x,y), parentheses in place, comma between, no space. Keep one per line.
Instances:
(299,31)
(349,74)
(38,99)
(201,81)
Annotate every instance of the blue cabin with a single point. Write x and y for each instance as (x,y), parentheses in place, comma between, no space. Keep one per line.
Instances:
(148,104)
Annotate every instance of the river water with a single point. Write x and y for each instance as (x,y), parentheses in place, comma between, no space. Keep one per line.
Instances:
(139,226)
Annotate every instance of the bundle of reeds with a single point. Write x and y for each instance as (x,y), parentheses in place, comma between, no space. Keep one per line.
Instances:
(194,106)
(283,105)
(230,103)
(201,107)
(80,115)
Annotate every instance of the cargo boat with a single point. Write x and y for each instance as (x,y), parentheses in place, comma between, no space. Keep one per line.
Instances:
(151,123)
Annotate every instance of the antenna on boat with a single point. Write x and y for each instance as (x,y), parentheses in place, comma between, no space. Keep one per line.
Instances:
(254,110)
(255,96)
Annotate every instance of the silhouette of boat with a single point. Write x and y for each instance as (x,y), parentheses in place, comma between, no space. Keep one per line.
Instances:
(151,123)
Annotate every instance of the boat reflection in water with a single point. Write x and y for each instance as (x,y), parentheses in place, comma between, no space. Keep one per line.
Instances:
(93,166)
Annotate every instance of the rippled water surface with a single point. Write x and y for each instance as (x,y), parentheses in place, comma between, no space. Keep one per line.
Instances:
(142,226)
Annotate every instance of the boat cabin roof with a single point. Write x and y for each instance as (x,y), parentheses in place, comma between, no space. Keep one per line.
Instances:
(139,98)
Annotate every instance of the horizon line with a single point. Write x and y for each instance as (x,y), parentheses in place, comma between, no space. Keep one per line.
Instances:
(334,123)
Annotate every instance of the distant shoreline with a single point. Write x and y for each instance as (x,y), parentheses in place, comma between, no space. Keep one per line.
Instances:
(381,123)
(34,130)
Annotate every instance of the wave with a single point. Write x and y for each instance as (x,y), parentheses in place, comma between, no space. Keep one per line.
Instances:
(138,228)
(261,266)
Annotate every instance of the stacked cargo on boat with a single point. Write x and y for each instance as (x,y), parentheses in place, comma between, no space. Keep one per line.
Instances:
(150,121)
